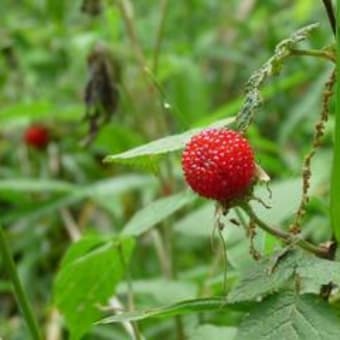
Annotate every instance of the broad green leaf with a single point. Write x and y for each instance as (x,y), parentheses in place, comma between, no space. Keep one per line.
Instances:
(204,332)
(274,273)
(315,272)
(287,316)
(35,185)
(156,212)
(184,307)
(88,277)
(84,246)
(265,277)
(163,145)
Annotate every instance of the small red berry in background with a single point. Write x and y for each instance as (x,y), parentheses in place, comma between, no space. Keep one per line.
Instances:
(219,164)
(37,136)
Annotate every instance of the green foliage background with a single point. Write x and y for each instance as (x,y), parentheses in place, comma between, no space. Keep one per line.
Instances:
(48,199)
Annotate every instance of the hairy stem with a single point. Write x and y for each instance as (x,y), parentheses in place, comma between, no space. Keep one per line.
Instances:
(18,288)
(335,180)
(314,53)
(283,235)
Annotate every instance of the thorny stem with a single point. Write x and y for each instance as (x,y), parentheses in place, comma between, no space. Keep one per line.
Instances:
(314,53)
(318,134)
(18,288)
(330,12)
(283,235)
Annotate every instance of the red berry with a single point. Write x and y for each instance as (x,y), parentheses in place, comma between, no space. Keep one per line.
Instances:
(219,164)
(37,136)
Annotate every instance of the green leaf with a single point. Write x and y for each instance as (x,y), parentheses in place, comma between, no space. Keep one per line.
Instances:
(96,190)
(204,332)
(288,316)
(163,145)
(274,273)
(162,291)
(198,222)
(184,307)
(264,278)
(156,212)
(315,272)
(34,185)
(89,274)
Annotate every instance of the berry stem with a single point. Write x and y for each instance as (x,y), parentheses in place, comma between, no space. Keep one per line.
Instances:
(285,236)
(314,53)
(18,288)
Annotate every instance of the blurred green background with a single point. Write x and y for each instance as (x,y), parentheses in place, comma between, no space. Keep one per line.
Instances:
(209,48)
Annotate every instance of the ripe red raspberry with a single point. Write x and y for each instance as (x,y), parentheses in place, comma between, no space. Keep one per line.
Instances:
(37,136)
(219,164)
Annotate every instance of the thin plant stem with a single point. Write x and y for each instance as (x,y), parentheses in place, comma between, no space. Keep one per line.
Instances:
(283,235)
(314,53)
(126,8)
(225,260)
(330,13)
(335,180)
(18,288)
(163,10)
(131,304)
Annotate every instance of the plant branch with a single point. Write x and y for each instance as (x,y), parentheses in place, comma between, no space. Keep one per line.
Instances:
(18,288)
(317,140)
(126,9)
(314,53)
(163,10)
(330,13)
(335,180)
(130,295)
(285,236)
